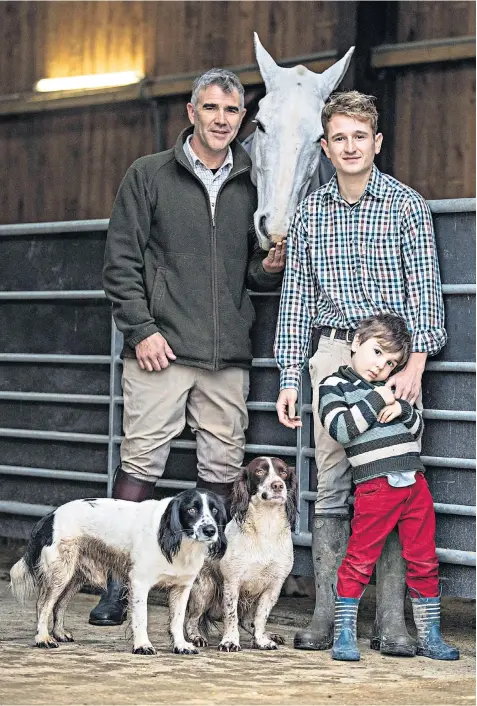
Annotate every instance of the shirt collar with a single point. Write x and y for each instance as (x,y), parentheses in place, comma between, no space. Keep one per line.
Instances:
(375,186)
(195,160)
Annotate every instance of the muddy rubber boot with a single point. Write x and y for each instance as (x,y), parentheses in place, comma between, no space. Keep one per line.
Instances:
(345,645)
(427,616)
(329,541)
(112,607)
(223,490)
(390,635)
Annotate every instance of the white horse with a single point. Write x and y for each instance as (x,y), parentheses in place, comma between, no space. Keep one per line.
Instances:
(286,148)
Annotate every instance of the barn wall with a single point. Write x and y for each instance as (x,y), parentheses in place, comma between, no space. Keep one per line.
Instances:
(67,164)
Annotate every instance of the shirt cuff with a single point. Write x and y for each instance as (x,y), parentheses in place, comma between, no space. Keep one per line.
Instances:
(429,342)
(290,377)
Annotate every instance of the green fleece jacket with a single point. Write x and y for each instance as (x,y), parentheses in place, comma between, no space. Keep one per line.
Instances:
(170,269)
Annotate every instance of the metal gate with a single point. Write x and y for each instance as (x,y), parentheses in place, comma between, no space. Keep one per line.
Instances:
(61,403)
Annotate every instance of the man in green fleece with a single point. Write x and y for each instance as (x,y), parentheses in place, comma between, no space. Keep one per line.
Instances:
(180,253)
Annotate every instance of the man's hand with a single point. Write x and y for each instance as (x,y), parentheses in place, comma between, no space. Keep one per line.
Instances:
(286,408)
(407,383)
(386,393)
(154,353)
(390,412)
(275,260)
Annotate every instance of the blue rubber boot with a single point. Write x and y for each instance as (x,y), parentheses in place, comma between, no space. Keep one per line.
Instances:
(345,646)
(427,616)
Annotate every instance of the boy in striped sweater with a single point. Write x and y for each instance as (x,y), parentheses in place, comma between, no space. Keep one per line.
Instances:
(380,435)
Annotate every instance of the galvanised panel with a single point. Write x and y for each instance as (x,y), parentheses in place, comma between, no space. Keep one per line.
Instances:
(61,455)
(264,384)
(42,491)
(68,378)
(456,532)
(67,327)
(82,418)
(61,261)
(451,485)
(263,334)
(455,236)
(460,327)
(448,391)
(443,438)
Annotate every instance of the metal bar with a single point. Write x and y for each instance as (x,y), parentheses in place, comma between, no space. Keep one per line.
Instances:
(448,415)
(10,507)
(54,294)
(53,474)
(54,397)
(175,484)
(446,556)
(452,205)
(53,435)
(54,358)
(264,363)
(55,227)
(438,461)
(99,293)
(450,367)
(440,508)
(458,288)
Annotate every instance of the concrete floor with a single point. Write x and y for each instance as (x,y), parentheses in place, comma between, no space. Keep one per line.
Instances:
(98,668)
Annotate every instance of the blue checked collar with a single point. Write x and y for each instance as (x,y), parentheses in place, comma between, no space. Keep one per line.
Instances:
(375,187)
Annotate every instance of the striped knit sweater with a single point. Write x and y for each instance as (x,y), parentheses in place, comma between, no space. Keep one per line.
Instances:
(348,409)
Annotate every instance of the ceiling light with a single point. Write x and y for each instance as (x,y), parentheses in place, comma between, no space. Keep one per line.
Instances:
(75,83)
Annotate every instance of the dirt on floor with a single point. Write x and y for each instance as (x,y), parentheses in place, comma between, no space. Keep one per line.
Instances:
(99,668)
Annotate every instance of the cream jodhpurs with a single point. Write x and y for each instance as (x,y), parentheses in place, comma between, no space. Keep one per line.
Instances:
(157,406)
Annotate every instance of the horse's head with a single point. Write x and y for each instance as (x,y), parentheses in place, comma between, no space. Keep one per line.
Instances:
(286,146)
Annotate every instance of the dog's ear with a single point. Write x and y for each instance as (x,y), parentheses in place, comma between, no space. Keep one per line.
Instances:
(292,499)
(240,496)
(170,530)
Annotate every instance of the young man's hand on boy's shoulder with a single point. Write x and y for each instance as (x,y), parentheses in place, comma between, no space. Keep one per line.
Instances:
(390,412)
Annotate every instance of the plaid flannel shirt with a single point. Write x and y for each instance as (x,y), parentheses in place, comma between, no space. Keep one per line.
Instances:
(211,181)
(345,263)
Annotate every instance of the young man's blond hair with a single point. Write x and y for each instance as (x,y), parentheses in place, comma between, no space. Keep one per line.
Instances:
(353,104)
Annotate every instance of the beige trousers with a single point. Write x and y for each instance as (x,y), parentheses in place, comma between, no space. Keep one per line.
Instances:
(157,406)
(333,470)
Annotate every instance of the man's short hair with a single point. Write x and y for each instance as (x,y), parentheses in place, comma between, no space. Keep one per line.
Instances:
(390,330)
(353,104)
(226,80)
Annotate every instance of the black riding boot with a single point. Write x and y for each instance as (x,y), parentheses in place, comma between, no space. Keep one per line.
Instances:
(112,608)
(390,634)
(223,490)
(329,541)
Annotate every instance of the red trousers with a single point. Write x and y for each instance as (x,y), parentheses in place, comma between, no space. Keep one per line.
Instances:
(378,508)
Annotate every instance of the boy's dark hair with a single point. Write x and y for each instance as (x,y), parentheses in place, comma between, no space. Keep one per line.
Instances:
(390,330)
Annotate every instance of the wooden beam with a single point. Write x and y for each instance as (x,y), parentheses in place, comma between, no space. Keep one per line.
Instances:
(150,88)
(389,56)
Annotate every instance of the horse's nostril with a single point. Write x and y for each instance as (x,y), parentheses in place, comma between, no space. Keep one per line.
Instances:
(263,226)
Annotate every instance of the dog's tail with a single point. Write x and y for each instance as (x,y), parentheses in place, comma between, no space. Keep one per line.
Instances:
(22,581)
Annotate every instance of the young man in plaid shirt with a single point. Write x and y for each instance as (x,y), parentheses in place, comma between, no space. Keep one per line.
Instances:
(360,245)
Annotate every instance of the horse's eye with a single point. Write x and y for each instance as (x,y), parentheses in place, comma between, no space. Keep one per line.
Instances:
(259,125)
(214,511)
(192,511)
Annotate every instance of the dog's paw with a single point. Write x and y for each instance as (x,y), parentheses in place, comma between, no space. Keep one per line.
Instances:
(63,637)
(198,641)
(146,649)
(264,644)
(275,637)
(187,648)
(47,642)
(229,646)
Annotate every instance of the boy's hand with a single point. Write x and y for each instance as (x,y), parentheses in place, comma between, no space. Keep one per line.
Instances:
(386,393)
(390,412)
(286,408)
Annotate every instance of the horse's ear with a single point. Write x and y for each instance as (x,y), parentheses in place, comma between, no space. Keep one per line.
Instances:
(332,77)
(268,67)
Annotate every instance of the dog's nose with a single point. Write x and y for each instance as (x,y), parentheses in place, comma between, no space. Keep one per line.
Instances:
(277,486)
(209,530)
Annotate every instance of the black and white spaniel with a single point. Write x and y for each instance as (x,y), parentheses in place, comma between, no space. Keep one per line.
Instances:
(245,584)
(145,544)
